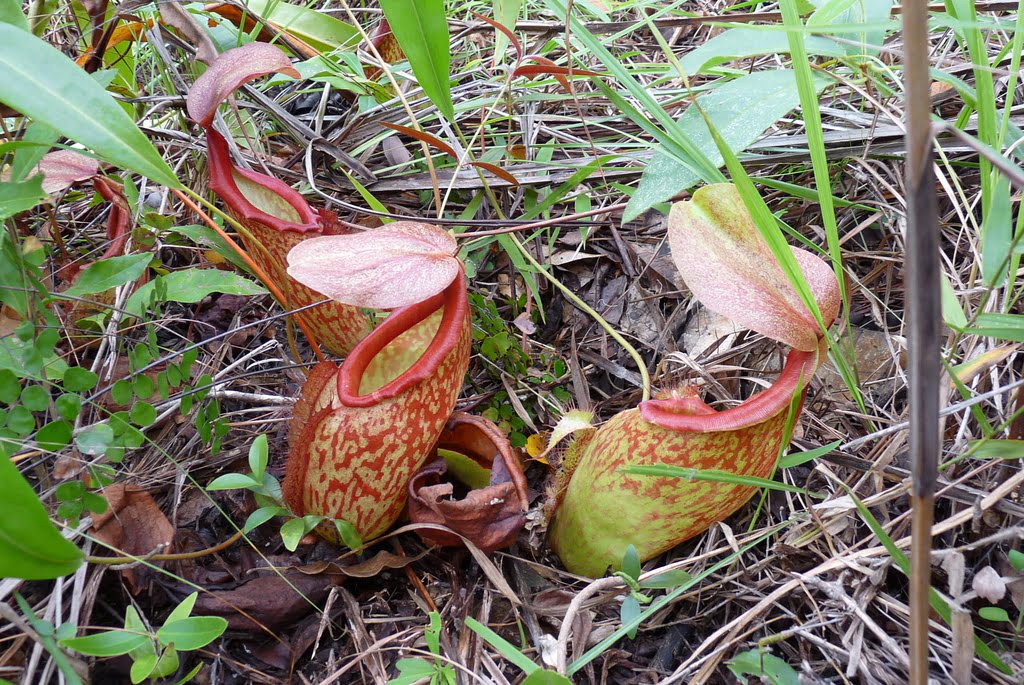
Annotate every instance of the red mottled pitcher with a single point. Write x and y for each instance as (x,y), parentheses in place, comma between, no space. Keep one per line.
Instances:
(730,268)
(360,431)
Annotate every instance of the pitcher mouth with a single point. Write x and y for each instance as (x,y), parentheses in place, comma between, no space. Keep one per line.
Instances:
(692,415)
(222,182)
(456,309)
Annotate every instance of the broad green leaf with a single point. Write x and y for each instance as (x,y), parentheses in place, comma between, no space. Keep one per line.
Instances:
(78,379)
(631,563)
(421,28)
(1016,558)
(30,547)
(54,436)
(321,31)
(192,285)
(10,13)
(733,44)
(291,532)
(107,643)
(545,677)
(109,273)
(207,237)
(466,470)
(628,614)
(233,481)
(348,534)
(261,516)
(258,456)
(768,666)
(193,632)
(46,86)
(996,614)
(741,110)
(142,668)
(412,671)
(17,197)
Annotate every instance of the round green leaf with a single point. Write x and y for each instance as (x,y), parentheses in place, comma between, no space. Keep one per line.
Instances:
(122,392)
(10,387)
(72,490)
(69,405)
(143,413)
(54,436)
(35,398)
(21,421)
(143,386)
(77,379)
(95,439)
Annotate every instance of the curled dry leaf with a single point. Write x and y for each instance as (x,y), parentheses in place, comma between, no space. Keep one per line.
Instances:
(730,268)
(62,169)
(134,525)
(989,585)
(230,71)
(399,265)
(270,602)
(375,565)
(493,511)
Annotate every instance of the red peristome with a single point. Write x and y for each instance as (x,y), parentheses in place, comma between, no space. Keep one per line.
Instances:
(338,327)
(354,453)
(222,182)
(683,414)
(456,310)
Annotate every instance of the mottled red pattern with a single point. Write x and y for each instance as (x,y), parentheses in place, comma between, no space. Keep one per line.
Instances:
(604,510)
(356,450)
(338,327)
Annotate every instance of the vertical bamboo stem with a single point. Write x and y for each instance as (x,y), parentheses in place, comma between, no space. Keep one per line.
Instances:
(924,315)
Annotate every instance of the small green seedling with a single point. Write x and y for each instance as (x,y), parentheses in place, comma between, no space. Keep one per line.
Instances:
(1000,615)
(267,492)
(630,574)
(154,656)
(418,670)
(758,662)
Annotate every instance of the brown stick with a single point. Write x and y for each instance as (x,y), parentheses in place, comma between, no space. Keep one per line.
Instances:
(924,316)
